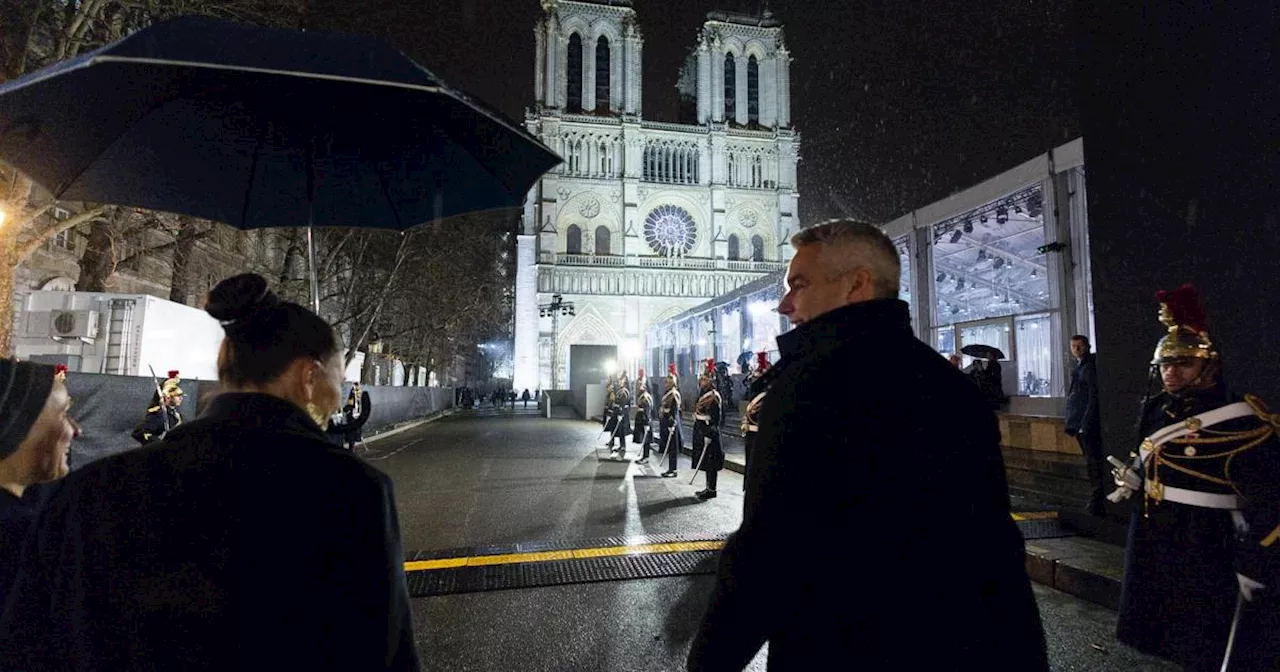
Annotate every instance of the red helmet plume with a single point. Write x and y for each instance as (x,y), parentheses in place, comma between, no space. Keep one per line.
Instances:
(173,373)
(1182,309)
(762,361)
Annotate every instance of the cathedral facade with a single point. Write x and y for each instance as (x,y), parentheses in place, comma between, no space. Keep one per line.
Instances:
(647,219)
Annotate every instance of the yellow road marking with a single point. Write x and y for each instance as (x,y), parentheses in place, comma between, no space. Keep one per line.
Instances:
(607,551)
(574,554)
(1036,515)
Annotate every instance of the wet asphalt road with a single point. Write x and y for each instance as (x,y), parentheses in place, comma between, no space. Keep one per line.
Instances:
(475,479)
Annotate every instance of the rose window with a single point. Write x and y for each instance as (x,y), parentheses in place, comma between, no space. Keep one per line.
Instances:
(669,229)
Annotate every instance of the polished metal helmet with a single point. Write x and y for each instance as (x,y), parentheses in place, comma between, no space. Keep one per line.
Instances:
(1187,336)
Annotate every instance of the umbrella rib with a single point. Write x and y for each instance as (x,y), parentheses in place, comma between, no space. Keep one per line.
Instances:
(266,71)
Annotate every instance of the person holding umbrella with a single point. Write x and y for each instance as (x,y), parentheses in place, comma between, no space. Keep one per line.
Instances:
(986,373)
(242,540)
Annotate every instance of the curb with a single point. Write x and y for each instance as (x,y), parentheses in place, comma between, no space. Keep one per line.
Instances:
(404,427)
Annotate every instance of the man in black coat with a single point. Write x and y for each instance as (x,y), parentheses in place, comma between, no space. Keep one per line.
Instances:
(893,486)
(243,540)
(1084,423)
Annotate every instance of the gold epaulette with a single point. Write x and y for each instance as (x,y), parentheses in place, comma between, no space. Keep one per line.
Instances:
(153,409)
(1260,409)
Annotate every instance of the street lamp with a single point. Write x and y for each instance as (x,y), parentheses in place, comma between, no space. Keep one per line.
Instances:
(554,310)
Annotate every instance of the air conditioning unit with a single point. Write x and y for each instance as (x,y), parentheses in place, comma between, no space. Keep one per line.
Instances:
(73,324)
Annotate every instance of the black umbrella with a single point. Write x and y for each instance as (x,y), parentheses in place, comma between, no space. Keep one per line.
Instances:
(261,127)
(982,351)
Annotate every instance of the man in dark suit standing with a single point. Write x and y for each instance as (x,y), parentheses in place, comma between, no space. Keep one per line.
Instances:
(906,461)
(1083,422)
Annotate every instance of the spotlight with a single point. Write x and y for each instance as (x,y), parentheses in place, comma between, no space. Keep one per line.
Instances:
(982,254)
(959,284)
(1033,272)
(982,219)
(968,226)
(955,237)
(941,277)
(1035,205)
(998,262)
(1002,215)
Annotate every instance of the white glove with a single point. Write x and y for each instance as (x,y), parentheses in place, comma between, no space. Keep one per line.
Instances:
(1248,587)
(1125,477)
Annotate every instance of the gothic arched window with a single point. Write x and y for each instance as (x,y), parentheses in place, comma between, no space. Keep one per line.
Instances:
(733,247)
(602,240)
(573,240)
(757,248)
(730,87)
(574,82)
(753,90)
(602,73)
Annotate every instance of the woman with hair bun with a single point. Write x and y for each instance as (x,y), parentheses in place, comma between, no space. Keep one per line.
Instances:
(242,540)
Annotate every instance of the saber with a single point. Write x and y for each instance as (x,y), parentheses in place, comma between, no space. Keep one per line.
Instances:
(705,448)
(670,433)
(164,414)
(1235,625)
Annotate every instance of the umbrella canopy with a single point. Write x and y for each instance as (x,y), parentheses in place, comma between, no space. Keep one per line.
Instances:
(982,351)
(259,127)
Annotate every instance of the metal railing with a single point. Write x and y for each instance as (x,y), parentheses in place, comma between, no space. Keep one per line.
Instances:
(694,263)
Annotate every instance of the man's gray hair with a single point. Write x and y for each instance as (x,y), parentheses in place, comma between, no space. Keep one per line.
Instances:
(857,245)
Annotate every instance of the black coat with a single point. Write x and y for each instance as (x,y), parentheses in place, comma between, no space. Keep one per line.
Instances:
(1082,399)
(882,462)
(241,541)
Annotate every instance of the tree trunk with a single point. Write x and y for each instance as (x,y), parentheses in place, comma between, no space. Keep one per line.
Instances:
(8,273)
(183,250)
(98,263)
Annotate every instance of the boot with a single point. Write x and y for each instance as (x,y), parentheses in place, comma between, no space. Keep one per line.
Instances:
(706,494)
(669,474)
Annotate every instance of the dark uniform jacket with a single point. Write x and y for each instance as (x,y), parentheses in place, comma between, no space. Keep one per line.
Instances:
(708,404)
(152,427)
(1179,592)
(241,541)
(874,455)
(644,411)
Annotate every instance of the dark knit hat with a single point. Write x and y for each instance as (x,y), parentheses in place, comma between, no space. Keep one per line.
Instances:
(24,389)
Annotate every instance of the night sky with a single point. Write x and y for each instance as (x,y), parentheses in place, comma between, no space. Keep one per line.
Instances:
(898,103)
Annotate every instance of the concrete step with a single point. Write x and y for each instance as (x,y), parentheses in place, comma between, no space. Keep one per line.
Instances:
(1057,464)
(1086,568)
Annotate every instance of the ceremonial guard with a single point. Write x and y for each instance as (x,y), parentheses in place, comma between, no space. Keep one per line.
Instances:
(162,416)
(622,406)
(610,416)
(708,453)
(1202,564)
(644,415)
(669,422)
(756,384)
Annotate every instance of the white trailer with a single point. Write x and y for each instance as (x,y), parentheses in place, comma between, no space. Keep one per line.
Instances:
(120,334)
